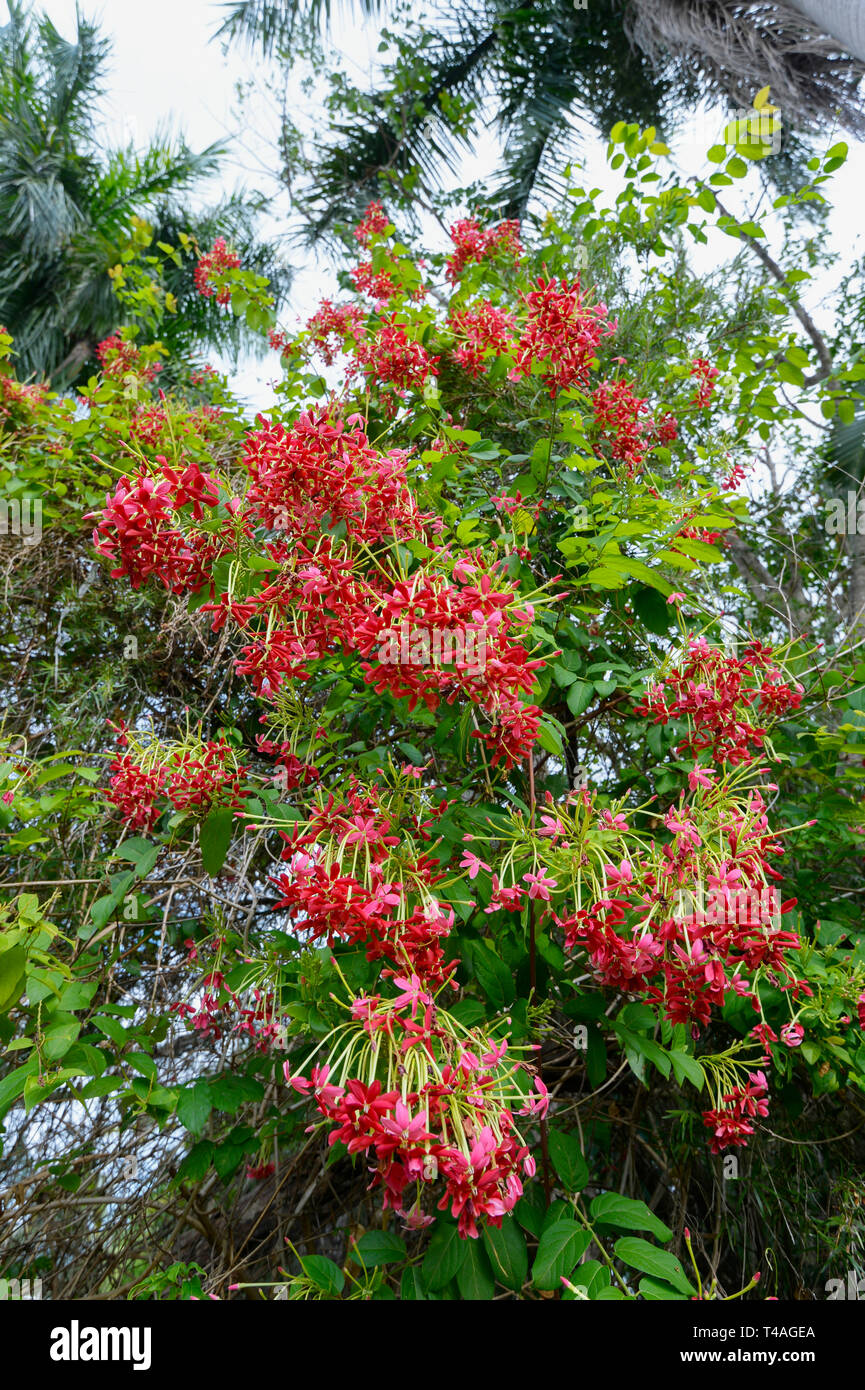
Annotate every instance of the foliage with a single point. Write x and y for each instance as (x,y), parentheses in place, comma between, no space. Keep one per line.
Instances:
(536,76)
(434,783)
(70,209)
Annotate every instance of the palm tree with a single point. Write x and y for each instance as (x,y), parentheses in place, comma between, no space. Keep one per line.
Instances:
(66,208)
(545,64)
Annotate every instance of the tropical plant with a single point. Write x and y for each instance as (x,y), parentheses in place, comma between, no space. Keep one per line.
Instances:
(448,780)
(536,72)
(68,208)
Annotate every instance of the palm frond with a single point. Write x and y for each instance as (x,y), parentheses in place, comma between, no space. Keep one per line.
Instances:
(271,25)
(739,46)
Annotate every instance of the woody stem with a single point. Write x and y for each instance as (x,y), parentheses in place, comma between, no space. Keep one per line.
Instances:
(545,1150)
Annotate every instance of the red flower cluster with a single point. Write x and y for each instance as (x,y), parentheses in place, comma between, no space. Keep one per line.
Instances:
(119,358)
(374,222)
(479,330)
(642,938)
(214,263)
(138,529)
(134,791)
(374,910)
(413,1139)
(705,381)
(18,393)
(192,779)
(394,359)
(666,428)
(731,1124)
(714,692)
(292,771)
(378,284)
(564,332)
(219,1004)
(735,477)
(147,424)
(333,325)
(421,1098)
(473,243)
(432,639)
(619,416)
(319,468)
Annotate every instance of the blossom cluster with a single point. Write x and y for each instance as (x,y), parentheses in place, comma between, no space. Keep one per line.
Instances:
(718,694)
(731,1123)
(421,1097)
(195,777)
(140,529)
(479,330)
(472,242)
(118,358)
(211,266)
(563,331)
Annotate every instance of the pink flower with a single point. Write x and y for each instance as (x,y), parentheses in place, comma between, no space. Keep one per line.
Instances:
(621,877)
(701,777)
(413,993)
(540,885)
(552,826)
(676,598)
(792,1034)
(473,864)
(537,1105)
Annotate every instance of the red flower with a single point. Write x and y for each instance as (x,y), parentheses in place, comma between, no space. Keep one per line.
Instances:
(215,263)
(374,223)
(472,243)
(480,330)
(562,331)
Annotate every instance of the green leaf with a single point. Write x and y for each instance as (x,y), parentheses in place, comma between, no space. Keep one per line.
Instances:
(656,1292)
(326,1275)
(592,1275)
(111,1028)
(215,839)
(411,1287)
(142,1063)
(142,853)
(652,610)
(530,1210)
(13,1085)
(628,1214)
(60,1038)
(194,1106)
(687,1068)
(507,1252)
(494,977)
(568,1161)
(474,1277)
(444,1257)
(12,967)
(580,696)
(196,1162)
(560,1247)
(639,1254)
(381,1248)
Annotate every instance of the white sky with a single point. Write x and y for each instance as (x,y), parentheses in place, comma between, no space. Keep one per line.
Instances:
(165,69)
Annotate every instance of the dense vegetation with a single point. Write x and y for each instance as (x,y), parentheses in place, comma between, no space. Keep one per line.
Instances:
(431,810)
